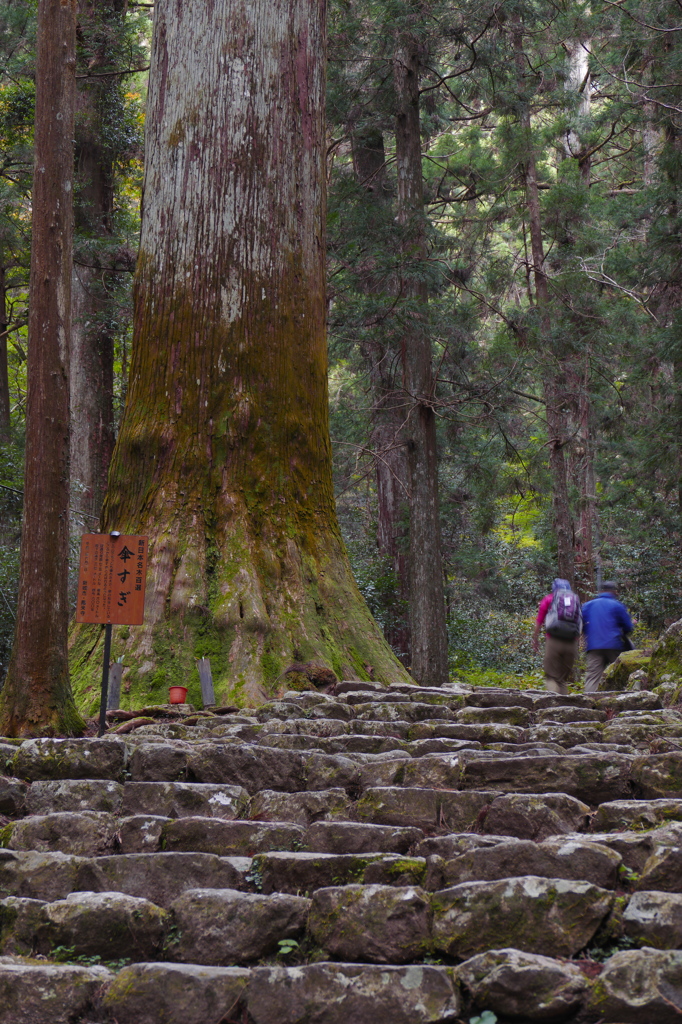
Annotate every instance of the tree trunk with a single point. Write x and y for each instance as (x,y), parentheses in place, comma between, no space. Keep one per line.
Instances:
(4,378)
(427,599)
(223,457)
(393,487)
(388,416)
(553,387)
(583,474)
(580,457)
(36,698)
(92,345)
(578,83)
(92,398)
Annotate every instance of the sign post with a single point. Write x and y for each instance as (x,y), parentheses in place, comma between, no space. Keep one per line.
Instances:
(111,588)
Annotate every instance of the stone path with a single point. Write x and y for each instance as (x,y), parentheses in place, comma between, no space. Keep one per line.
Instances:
(396,856)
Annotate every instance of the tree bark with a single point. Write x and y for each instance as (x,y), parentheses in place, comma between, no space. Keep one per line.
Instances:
(4,377)
(36,698)
(92,397)
(580,456)
(388,417)
(553,387)
(587,530)
(427,600)
(223,457)
(92,345)
(100,25)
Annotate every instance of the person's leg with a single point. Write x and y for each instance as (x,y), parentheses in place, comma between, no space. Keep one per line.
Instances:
(553,665)
(554,687)
(566,653)
(569,653)
(596,663)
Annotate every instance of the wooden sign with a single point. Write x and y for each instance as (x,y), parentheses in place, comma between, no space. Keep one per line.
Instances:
(111,579)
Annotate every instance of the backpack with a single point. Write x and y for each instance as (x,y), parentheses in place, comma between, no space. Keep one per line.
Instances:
(564,618)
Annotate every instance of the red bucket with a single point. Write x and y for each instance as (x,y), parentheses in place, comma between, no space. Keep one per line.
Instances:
(177,694)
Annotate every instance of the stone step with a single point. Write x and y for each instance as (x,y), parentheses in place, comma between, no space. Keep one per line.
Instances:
(96,833)
(158,877)
(302,873)
(446,850)
(632,986)
(377,923)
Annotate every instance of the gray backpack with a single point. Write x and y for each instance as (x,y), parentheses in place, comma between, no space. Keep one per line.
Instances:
(564,618)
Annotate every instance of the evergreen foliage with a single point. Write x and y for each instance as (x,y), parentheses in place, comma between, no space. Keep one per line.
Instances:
(600,86)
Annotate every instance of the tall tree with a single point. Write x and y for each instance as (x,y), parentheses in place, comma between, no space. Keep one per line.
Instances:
(92,348)
(392,264)
(107,141)
(36,698)
(387,396)
(17,71)
(429,648)
(223,457)
(554,373)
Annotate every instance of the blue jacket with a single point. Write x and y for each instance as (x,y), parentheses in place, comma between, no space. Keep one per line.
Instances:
(605,621)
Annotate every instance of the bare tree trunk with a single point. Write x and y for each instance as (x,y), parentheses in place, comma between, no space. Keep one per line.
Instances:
(92,396)
(92,345)
(393,488)
(587,527)
(578,83)
(388,416)
(652,136)
(553,385)
(4,378)
(580,457)
(427,598)
(36,698)
(223,457)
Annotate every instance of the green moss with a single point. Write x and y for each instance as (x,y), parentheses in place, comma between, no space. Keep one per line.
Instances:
(413,867)
(6,835)
(262,582)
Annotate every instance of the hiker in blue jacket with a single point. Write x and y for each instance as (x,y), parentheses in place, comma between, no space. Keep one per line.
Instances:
(606,624)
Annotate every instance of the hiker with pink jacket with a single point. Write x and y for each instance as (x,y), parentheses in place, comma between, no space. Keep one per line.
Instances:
(560,614)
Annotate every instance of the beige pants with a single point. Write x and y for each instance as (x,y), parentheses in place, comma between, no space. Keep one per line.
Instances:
(560,656)
(597,661)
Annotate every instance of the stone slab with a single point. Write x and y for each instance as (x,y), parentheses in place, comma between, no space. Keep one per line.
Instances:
(342,993)
(176,994)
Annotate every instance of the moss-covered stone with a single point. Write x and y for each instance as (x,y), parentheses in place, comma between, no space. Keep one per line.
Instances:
(34,992)
(70,759)
(658,776)
(109,925)
(20,919)
(666,656)
(83,833)
(175,993)
(639,985)
(376,923)
(524,985)
(536,915)
(617,674)
(223,926)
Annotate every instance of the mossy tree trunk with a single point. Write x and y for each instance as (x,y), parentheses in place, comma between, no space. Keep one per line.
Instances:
(36,698)
(223,457)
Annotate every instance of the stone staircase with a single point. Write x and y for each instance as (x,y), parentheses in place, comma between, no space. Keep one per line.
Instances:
(379,856)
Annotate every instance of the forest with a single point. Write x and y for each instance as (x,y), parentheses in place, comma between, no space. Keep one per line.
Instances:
(502,290)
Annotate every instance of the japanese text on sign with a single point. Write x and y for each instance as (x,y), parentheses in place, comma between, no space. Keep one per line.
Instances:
(111,580)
